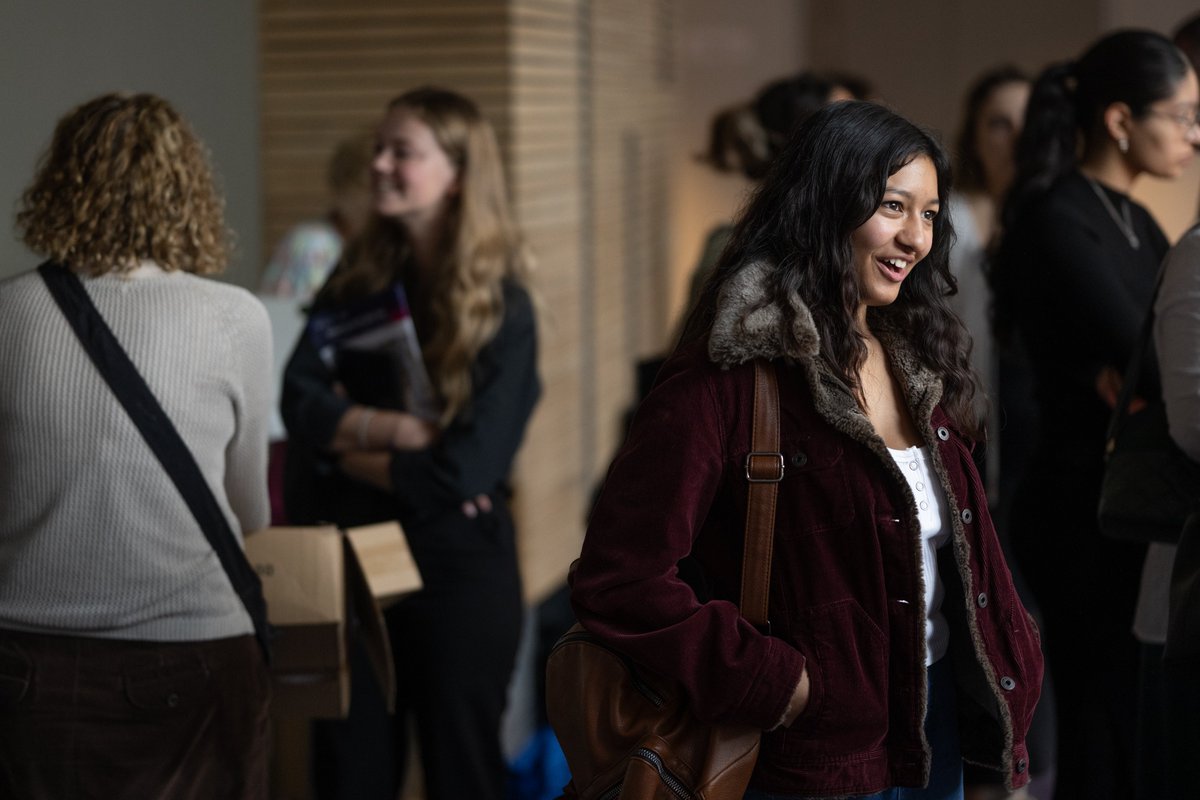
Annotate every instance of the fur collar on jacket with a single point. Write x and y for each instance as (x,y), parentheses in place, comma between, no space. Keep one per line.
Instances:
(742,331)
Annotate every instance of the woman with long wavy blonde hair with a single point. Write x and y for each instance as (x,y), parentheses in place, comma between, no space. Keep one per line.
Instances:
(442,231)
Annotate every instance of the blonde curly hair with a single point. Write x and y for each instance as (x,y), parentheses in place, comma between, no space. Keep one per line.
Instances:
(483,247)
(125,180)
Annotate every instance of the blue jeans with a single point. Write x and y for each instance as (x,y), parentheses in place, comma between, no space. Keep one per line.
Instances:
(941,729)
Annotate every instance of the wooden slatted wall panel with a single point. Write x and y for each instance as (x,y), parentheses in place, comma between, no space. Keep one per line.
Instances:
(632,102)
(550,193)
(328,68)
(591,99)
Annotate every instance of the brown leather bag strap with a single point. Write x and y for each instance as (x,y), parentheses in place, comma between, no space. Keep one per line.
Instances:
(764,471)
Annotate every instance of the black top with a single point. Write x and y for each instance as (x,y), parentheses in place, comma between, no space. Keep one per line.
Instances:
(1076,292)
(472,456)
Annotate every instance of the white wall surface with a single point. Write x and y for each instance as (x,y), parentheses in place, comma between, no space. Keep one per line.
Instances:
(201,56)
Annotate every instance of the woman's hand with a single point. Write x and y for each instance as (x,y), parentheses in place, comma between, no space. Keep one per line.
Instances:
(798,702)
(409,432)
(369,467)
(482,504)
(373,468)
(367,429)
(1108,386)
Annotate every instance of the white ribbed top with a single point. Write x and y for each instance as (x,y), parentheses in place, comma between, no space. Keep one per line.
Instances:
(94,537)
(934,517)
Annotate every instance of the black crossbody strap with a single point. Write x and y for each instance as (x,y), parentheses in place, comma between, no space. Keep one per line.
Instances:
(160,434)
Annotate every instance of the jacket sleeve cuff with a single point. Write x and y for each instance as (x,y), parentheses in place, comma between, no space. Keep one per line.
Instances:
(773,687)
(326,413)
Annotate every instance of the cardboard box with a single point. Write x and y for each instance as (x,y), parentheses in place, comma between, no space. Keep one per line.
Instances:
(387,563)
(312,578)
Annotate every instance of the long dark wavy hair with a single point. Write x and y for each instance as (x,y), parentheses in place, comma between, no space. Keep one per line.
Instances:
(827,181)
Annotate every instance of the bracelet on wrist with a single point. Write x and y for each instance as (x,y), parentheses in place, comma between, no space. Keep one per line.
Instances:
(364,427)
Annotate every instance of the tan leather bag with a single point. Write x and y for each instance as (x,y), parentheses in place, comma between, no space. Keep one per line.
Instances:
(629,733)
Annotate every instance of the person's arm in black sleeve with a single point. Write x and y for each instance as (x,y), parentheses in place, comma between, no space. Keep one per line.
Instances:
(474,455)
(310,407)
(1081,272)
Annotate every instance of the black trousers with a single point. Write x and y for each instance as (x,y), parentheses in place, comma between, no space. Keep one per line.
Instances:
(454,644)
(114,720)
(1086,587)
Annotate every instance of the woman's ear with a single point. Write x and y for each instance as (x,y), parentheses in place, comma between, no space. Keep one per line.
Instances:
(1118,123)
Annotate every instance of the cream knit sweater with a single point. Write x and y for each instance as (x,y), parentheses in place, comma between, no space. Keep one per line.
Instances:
(95,540)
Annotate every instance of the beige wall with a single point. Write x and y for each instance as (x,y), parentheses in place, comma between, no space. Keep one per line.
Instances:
(725,53)
(56,54)
(922,55)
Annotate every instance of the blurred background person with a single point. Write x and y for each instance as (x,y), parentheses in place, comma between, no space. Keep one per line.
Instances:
(1162,730)
(993,115)
(442,229)
(127,662)
(307,253)
(1075,272)
(992,119)
(1169,726)
(746,138)
(299,266)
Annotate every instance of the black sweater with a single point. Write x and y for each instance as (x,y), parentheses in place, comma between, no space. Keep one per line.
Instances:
(473,456)
(1076,292)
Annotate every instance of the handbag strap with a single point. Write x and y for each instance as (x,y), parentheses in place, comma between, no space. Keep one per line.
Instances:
(764,471)
(1134,369)
(122,376)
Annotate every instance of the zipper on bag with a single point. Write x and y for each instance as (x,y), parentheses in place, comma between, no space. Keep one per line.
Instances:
(665,775)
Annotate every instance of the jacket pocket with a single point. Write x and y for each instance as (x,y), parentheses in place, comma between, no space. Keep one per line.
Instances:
(814,472)
(848,671)
(178,685)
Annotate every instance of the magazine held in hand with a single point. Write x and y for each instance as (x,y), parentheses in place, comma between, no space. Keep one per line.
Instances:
(372,347)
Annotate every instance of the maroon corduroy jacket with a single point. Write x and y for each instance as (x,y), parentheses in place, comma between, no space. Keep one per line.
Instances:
(847,593)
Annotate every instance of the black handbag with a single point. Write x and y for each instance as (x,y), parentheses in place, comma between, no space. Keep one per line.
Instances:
(152,422)
(1150,486)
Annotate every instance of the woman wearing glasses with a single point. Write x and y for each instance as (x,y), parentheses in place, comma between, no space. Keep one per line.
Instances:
(1075,274)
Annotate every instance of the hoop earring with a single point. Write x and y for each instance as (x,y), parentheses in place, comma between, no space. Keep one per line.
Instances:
(1123,145)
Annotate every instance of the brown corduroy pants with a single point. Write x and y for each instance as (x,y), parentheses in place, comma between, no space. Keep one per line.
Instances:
(96,718)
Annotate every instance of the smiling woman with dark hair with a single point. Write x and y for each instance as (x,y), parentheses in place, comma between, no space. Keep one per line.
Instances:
(898,647)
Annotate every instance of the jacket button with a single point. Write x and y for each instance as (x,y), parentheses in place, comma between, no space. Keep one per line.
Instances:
(799,460)
(1021,765)
(1007,684)
(981,600)
(967,515)
(943,434)
(172,700)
